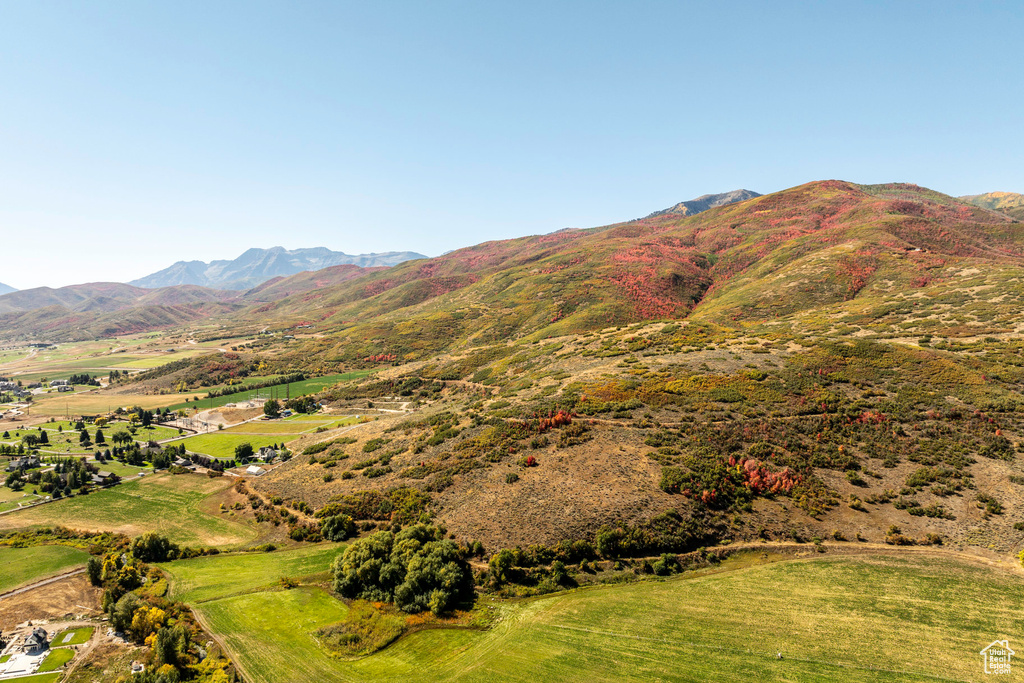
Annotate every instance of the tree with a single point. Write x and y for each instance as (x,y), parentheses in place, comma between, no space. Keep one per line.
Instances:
(272,408)
(243,452)
(94,569)
(152,547)
(337,528)
(501,566)
(99,437)
(417,569)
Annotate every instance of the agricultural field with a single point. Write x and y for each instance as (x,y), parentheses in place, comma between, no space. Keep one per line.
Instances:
(294,390)
(97,402)
(221,444)
(9,499)
(180,507)
(218,576)
(826,616)
(26,565)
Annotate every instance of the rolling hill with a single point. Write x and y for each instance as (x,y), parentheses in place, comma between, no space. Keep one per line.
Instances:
(257,266)
(110,309)
(832,360)
(822,246)
(1010,203)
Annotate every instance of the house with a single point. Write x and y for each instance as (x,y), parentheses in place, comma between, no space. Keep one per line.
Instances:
(36,642)
(8,386)
(64,387)
(267,454)
(58,383)
(102,478)
(254,470)
(25,463)
(182,462)
(997,656)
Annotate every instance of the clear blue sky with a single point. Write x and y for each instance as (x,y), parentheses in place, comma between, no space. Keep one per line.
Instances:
(134,134)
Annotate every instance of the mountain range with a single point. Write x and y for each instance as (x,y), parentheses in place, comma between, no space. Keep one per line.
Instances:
(256,266)
(6,289)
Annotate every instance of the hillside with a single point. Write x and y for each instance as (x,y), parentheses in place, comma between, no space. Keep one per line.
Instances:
(282,287)
(257,266)
(109,309)
(6,289)
(1010,203)
(827,246)
(831,360)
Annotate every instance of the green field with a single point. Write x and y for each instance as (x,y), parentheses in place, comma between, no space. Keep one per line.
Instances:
(9,499)
(222,444)
(26,565)
(74,636)
(219,576)
(294,390)
(57,658)
(178,506)
(870,618)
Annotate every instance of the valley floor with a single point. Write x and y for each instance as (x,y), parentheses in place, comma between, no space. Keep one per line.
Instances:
(886,615)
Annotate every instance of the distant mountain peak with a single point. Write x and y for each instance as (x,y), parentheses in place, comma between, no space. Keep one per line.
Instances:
(256,266)
(705,202)
(6,289)
(1009,203)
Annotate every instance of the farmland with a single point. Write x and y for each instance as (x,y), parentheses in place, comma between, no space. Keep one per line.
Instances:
(179,507)
(26,565)
(210,578)
(221,444)
(826,616)
(280,391)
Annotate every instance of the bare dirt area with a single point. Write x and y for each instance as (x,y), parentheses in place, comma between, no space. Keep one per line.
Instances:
(569,494)
(70,598)
(106,661)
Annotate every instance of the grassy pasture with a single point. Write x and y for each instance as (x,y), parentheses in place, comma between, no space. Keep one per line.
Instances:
(97,402)
(222,444)
(9,499)
(174,505)
(891,617)
(219,576)
(295,389)
(26,565)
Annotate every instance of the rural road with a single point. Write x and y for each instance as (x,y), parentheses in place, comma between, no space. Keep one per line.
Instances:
(37,584)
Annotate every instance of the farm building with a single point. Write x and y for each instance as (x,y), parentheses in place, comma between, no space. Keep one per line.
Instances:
(254,470)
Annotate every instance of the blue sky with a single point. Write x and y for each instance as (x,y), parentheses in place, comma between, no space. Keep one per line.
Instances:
(136,134)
